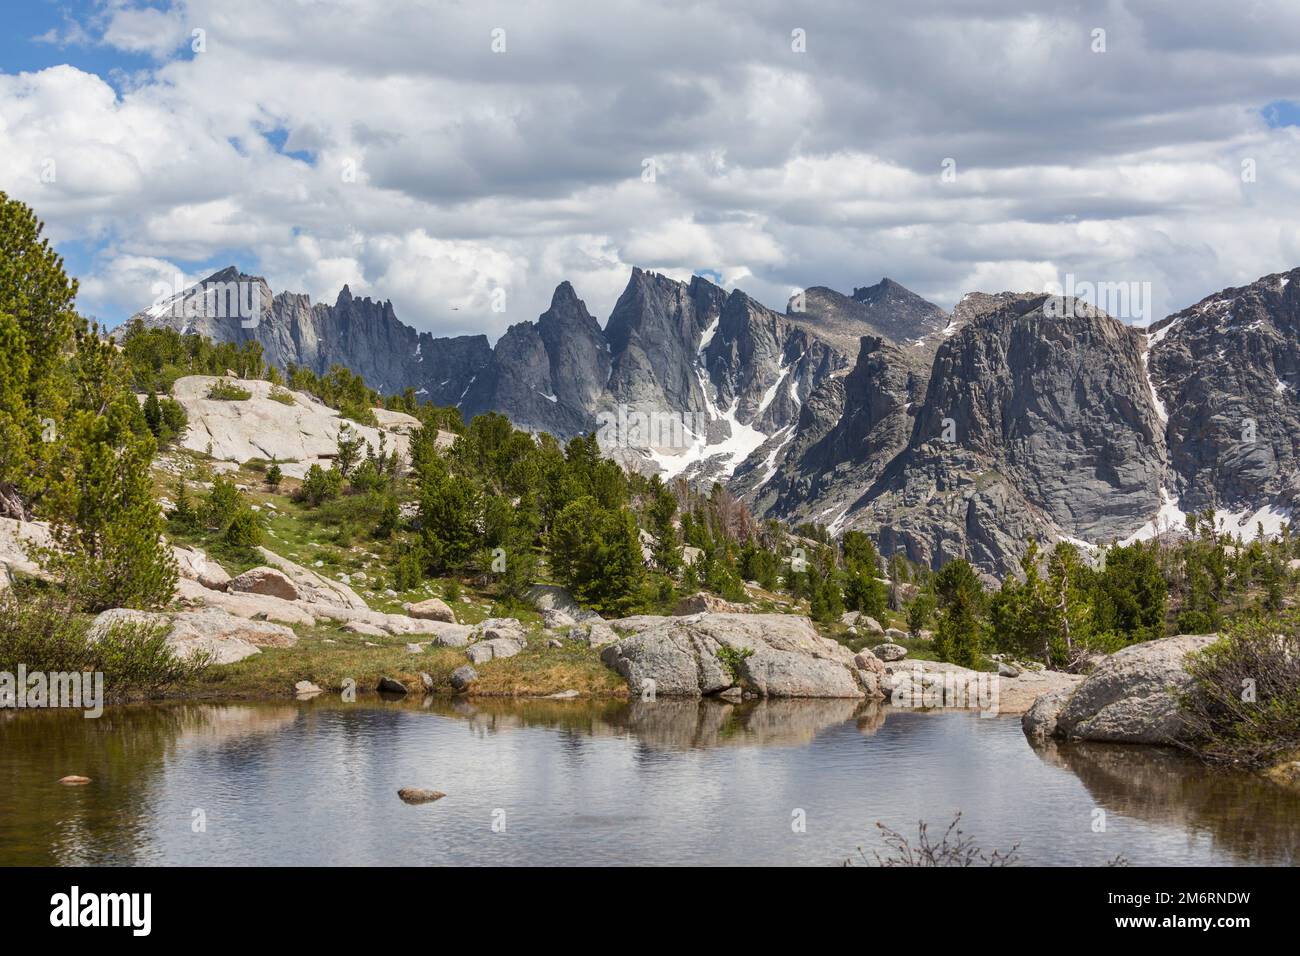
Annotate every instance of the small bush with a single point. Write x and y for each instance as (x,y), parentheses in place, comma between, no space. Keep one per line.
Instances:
(282,395)
(1244,707)
(390,519)
(244,531)
(730,658)
(44,634)
(319,486)
(223,390)
(222,503)
(954,848)
(274,475)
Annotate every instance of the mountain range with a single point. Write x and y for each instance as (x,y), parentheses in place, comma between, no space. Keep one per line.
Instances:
(943,434)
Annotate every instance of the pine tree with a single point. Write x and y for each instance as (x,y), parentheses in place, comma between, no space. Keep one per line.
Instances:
(663,509)
(596,552)
(37,321)
(958,638)
(106,524)
(450,510)
(153,415)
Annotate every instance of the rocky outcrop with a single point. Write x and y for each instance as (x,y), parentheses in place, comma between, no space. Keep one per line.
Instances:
(773,655)
(1227,373)
(1131,697)
(433,609)
(359,333)
(703,602)
(224,637)
(194,565)
(551,597)
(20,544)
(496,638)
(267,581)
(889,652)
(312,587)
(297,435)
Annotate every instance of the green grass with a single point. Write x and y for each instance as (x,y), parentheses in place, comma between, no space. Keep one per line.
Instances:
(328,657)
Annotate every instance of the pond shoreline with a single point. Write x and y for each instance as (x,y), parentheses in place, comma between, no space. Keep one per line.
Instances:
(698,781)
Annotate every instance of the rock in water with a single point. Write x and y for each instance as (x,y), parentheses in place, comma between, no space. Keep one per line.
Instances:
(305,690)
(1039,721)
(72,780)
(419,795)
(389,686)
(1132,697)
(463,676)
(774,655)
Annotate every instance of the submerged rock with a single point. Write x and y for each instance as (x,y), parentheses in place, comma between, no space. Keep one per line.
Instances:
(419,795)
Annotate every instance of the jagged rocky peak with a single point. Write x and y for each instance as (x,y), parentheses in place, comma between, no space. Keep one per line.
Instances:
(551,375)
(885,309)
(1226,372)
(655,334)
(359,333)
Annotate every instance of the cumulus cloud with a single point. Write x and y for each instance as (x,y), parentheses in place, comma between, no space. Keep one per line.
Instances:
(437,153)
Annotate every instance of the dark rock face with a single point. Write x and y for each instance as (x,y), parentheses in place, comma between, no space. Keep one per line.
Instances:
(548,375)
(1028,424)
(1227,370)
(1060,407)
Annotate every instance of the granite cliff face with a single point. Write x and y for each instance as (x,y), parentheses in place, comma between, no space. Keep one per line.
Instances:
(1016,416)
(1226,372)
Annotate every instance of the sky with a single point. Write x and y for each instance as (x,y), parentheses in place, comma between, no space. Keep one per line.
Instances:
(463,158)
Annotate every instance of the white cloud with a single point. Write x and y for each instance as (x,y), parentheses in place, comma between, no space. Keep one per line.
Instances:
(476,171)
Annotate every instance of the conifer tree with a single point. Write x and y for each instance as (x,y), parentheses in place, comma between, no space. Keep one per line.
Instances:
(105,521)
(37,320)
(958,638)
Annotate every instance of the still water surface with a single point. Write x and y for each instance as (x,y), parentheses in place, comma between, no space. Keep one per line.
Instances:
(595,783)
